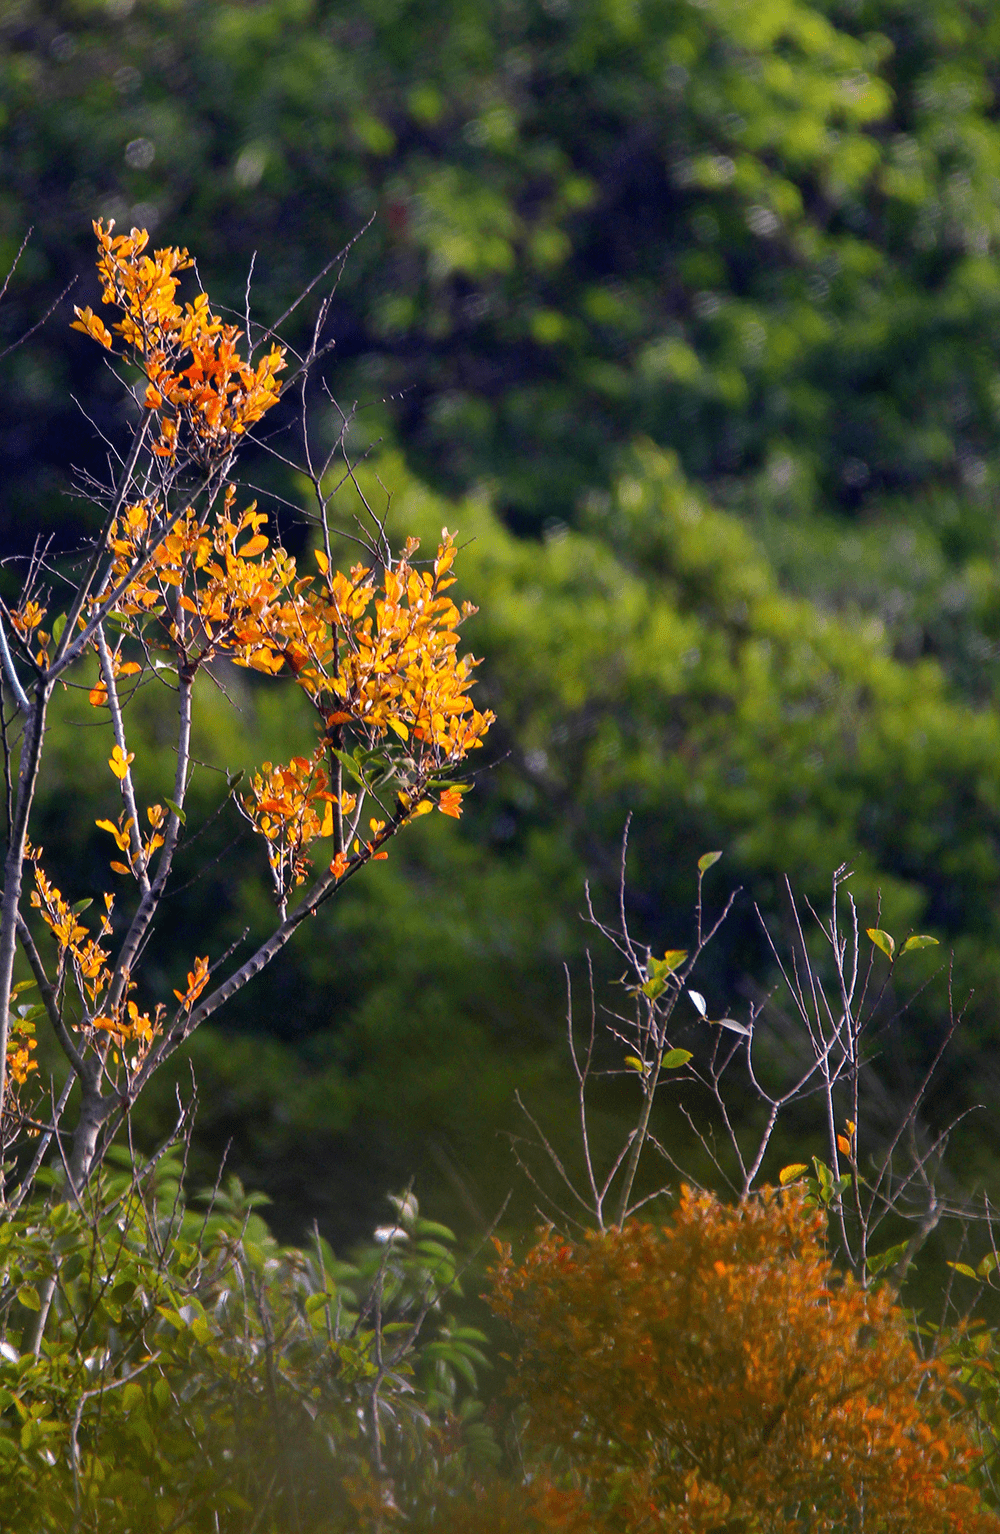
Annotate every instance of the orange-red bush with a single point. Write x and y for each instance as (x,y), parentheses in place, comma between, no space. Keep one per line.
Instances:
(718,1374)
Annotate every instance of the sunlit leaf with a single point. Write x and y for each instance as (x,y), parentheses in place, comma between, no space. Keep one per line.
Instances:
(675,1058)
(707,861)
(919,940)
(792,1173)
(699,1002)
(882,940)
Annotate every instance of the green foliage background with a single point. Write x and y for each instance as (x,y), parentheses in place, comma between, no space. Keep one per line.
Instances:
(687,314)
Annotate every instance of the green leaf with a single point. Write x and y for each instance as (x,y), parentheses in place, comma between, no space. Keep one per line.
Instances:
(792,1173)
(426,1248)
(986,1266)
(346,760)
(432,1228)
(177,811)
(23,985)
(658,972)
(81,905)
(707,861)
(964,1269)
(27,1296)
(132,1395)
(919,940)
(824,1176)
(634,1063)
(57,628)
(882,940)
(675,1058)
(888,1258)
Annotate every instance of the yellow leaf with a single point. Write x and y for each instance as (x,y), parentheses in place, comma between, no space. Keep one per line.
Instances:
(882,940)
(322,561)
(843,1145)
(791,1173)
(91,325)
(119,762)
(120,868)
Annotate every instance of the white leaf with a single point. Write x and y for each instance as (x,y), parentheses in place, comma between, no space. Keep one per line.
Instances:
(730,1022)
(8,1352)
(699,1002)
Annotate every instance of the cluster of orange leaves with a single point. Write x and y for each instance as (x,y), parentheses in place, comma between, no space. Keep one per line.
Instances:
(202,391)
(21,1045)
(291,806)
(27,621)
(85,954)
(21,1066)
(718,1373)
(376,653)
(129,841)
(379,656)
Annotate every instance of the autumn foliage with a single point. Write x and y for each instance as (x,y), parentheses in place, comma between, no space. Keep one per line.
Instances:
(183,577)
(218,395)
(718,1374)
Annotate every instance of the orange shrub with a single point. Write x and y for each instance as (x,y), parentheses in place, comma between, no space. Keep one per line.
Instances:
(718,1374)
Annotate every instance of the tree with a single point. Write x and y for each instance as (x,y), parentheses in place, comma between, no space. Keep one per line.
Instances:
(180,581)
(717,1373)
(157,1363)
